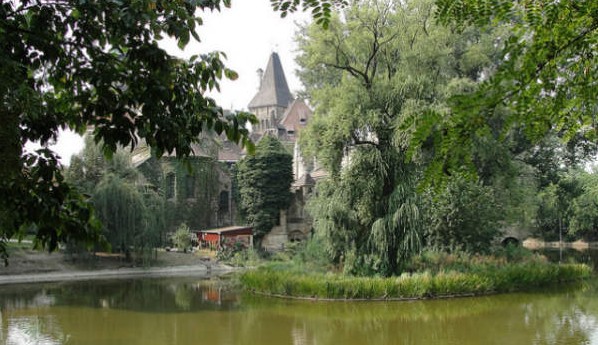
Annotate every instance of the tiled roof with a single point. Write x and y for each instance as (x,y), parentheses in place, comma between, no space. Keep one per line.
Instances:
(296,117)
(230,152)
(274,90)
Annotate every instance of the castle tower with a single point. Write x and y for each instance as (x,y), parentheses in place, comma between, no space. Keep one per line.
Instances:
(273,97)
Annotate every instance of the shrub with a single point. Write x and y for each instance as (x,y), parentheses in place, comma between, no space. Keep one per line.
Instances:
(491,279)
(182,237)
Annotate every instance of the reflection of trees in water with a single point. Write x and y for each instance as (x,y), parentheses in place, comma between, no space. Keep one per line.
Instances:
(567,316)
(148,295)
(586,256)
(562,316)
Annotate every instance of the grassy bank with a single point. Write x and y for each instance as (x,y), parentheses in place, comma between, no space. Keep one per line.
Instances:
(478,280)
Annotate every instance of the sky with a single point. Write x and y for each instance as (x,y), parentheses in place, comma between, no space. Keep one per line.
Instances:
(248,33)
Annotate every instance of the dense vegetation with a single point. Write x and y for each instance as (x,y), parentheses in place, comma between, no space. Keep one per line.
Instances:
(484,279)
(131,216)
(264,186)
(73,64)
(440,123)
(138,206)
(394,89)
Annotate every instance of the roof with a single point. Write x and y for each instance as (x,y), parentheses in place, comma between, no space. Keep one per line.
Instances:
(304,180)
(230,152)
(296,116)
(230,230)
(205,148)
(274,90)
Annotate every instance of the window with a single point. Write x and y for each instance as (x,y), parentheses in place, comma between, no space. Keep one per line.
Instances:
(223,203)
(190,187)
(170,186)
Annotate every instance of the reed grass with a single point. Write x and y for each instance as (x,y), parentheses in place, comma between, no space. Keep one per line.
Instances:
(480,280)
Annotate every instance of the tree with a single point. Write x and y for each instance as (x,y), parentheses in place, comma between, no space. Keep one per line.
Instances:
(584,209)
(120,208)
(131,215)
(386,65)
(463,217)
(264,182)
(546,77)
(88,167)
(73,64)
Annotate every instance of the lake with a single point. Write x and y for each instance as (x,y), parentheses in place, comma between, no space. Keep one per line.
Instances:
(196,311)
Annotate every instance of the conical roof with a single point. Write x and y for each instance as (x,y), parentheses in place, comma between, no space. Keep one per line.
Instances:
(274,90)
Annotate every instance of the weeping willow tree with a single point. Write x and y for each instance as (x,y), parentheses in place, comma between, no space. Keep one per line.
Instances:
(120,208)
(380,67)
(366,232)
(131,213)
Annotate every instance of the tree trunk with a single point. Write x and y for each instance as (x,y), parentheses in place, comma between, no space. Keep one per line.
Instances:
(10,169)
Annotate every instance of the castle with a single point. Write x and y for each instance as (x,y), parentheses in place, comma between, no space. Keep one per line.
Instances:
(203,197)
(282,116)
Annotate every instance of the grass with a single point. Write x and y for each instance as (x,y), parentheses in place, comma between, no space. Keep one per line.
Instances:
(435,275)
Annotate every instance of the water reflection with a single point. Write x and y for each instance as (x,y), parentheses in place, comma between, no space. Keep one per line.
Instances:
(567,317)
(586,256)
(33,330)
(190,311)
(147,295)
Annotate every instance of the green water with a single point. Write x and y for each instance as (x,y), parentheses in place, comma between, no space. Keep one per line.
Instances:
(195,311)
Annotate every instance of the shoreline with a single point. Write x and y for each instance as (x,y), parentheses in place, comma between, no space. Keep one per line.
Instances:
(492,279)
(30,266)
(201,271)
(533,243)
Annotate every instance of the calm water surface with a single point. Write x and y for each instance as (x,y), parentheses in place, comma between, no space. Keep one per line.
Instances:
(194,311)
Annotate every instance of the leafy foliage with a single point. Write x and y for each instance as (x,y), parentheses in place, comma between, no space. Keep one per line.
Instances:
(546,76)
(182,237)
(380,69)
(132,216)
(464,217)
(321,10)
(584,220)
(97,64)
(196,191)
(264,182)
(121,210)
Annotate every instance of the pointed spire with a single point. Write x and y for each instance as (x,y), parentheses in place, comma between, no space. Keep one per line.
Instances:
(274,90)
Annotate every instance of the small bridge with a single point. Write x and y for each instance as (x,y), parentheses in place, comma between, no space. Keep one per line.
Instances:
(514,235)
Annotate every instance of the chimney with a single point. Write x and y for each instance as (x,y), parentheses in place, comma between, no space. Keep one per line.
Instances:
(260,75)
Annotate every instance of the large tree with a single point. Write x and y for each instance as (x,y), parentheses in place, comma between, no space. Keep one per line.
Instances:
(96,64)
(546,77)
(131,215)
(264,182)
(380,67)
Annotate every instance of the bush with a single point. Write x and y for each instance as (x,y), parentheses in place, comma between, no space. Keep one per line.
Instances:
(498,278)
(182,237)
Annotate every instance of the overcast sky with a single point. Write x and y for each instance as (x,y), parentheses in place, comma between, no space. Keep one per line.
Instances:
(247,32)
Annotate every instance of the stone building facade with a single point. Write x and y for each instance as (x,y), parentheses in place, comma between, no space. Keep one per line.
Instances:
(281,115)
(208,205)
